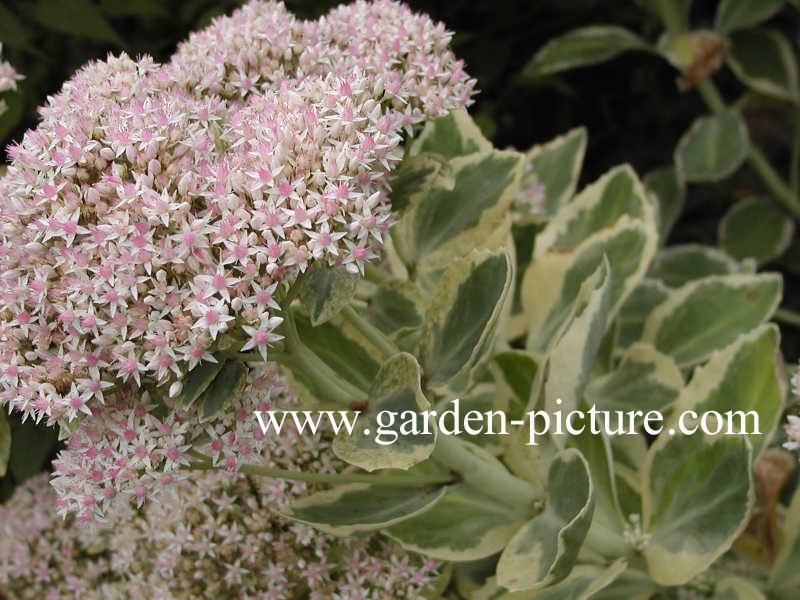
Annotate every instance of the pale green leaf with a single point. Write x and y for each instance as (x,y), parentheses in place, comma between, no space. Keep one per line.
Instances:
(515,372)
(553,280)
(708,314)
(756,228)
(733,15)
(462,318)
(697,495)
(544,550)
(416,176)
(713,148)
(342,351)
(637,308)
(453,135)
(396,389)
(395,307)
(354,508)
(670,191)
(616,195)
(746,379)
(677,265)
(645,380)
(582,47)
(552,169)
(444,223)
(583,582)
(571,357)
(463,525)
(325,291)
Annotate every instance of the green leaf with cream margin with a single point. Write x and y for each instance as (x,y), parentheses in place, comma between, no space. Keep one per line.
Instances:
(764,60)
(554,279)
(677,265)
(355,508)
(756,228)
(670,192)
(637,308)
(464,525)
(325,291)
(708,314)
(733,15)
(396,389)
(444,223)
(462,318)
(455,134)
(583,582)
(745,379)
(555,166)
(544,551)
(696,498)
(645,380)
(784,577)
(571,357)
(582,47)
(613,216)
(713,148)
(5,443)
(598,206)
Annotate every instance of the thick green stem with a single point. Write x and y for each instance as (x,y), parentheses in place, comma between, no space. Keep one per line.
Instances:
(486,477)
(301,358)
(369,331)
(328,478)
(324,378)
(771,178)
(789,317)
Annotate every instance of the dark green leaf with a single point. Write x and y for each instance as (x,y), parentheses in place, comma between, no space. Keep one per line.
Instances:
(228,384)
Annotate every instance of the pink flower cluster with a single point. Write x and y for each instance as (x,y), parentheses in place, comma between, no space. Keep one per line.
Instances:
(8,80)
(216,536)
(127,453)
(159,208)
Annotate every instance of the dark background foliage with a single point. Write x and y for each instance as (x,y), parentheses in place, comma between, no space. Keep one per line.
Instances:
(631,105)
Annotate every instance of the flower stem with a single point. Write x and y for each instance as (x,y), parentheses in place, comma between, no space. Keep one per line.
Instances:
(369,331)
(328,478)
(486,476)
(769,176)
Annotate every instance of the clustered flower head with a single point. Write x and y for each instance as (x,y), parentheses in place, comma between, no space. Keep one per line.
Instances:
(131,452)
(159,209)
(8,79)
(214,537)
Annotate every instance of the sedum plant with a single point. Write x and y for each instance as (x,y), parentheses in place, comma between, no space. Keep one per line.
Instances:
(312,219)
(504,288)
